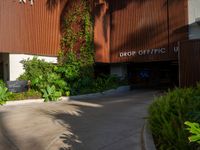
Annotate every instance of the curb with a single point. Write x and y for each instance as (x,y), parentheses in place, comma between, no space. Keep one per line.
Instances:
(22,102)
(147,138)
(67,98)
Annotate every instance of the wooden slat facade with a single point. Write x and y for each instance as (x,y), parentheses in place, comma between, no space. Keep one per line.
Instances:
(143,27)
(140,25)
(29,29)
(102,33)
(178,23)
(189,63)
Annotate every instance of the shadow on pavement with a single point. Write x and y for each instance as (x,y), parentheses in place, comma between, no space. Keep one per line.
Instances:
(40,126)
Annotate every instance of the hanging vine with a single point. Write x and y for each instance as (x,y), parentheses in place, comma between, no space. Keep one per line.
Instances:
(77,35)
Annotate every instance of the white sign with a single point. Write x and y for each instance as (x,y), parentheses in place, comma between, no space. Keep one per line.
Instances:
(157,51)
(24,1)
(176,49)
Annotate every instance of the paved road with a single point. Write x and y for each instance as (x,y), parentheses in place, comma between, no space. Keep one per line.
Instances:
(112,122)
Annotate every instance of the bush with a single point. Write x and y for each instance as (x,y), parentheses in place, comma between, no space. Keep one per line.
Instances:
(35,68)
(100,84)
(50,93)
(42,76)
(51,79)
(194,129)
(4,94)
(106,82)
(168,114)
(70,70)
(70,78)
(32,94)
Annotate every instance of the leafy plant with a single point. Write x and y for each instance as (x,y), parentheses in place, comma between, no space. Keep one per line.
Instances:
(2,83)
(77,50)
(100,84)
(4,95)
(194,129)
(167,115)
(50,93)
(75,73)
(35,68)
(70,70)
(51,79)
(31,94)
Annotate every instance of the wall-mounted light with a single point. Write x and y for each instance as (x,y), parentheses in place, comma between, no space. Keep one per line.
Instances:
(197,20)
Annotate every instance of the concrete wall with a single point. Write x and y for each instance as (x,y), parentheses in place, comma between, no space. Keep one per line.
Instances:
(16,68)
(194,13)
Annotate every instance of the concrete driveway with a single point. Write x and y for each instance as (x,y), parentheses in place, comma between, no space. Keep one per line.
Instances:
(110,122)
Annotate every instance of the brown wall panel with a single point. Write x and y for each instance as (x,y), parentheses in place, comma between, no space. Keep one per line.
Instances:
(143,28)
(189,63)
(178,22)
(139,25)
(102,32)
(29,29)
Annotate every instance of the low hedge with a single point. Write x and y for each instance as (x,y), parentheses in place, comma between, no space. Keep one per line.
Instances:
(31,94)
(167,115)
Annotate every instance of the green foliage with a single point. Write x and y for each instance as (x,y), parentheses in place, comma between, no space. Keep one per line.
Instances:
(2,83)
(42,76)
(35,68)
(31,94)
(100,84)
(66,79)
(51,79)
(76,62)
(50,93)
(75,73)
(168,114)
(70,71)
(87,49)
(78,30)
(194,129)
(4,94)
(106,82)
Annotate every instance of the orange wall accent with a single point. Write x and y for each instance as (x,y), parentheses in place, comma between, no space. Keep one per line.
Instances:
(137,25)
(102,33)
(29,29)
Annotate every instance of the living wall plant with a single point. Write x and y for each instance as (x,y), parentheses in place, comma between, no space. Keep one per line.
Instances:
(77,36)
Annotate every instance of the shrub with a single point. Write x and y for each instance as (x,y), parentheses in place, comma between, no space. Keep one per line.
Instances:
(31,94)
(69,78)
(168,114)
(2,83)
(35,68)
(70,70)
(4,94)
(194,129)
(51,79)
(42,74)
(100,84)
(50,94)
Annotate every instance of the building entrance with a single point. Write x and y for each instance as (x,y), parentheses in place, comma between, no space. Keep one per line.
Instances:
(154,74)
